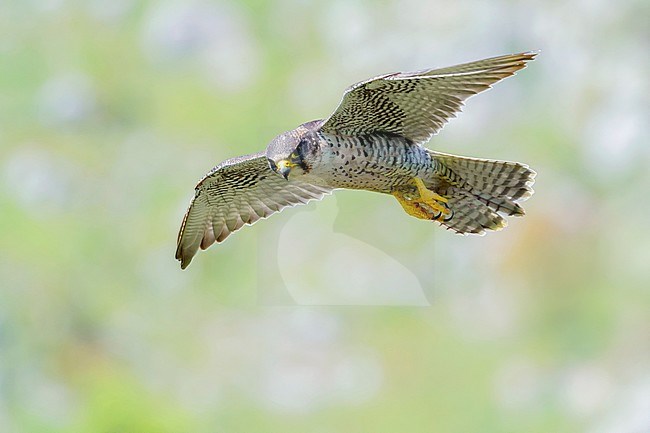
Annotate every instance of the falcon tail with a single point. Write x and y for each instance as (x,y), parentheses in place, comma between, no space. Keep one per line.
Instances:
(479,191)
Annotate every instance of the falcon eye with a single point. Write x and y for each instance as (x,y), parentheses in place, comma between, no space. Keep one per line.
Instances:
(272,164)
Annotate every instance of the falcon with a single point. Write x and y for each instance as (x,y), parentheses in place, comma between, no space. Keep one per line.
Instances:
(374,141)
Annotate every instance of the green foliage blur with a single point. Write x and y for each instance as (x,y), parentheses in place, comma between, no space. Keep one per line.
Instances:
(345,315)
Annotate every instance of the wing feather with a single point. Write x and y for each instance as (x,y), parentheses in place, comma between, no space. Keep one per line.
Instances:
(237,192)
(416,105)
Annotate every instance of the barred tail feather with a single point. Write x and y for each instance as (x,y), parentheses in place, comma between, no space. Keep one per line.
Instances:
(479,190)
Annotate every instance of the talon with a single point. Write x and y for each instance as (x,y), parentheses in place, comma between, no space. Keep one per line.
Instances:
(432,199)
(426,194)
(427,205)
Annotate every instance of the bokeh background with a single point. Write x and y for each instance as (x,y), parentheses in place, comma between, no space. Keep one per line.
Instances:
(342,316)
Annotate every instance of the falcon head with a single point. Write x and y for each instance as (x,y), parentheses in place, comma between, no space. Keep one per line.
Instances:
(293,152)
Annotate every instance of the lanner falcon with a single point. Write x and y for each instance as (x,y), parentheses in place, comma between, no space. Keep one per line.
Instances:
(373,141)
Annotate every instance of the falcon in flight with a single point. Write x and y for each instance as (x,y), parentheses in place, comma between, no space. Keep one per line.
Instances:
(374,141)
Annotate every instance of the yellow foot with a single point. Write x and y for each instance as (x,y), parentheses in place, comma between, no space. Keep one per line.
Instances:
(428,205)
(432,200)
(413,207)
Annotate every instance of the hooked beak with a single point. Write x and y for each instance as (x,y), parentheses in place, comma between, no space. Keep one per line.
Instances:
(284,168)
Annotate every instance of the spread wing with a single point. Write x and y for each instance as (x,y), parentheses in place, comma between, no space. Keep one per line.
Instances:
(416,105)
(236,192)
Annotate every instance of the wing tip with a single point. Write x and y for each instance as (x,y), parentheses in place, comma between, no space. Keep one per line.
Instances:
(529,56)
(185,250)
(185,262)
(183,257)
(188,242)
(523,56)
(517,61)
(185,253)
(532,53)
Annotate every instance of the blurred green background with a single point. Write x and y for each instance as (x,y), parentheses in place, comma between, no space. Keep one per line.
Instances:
(342,316)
